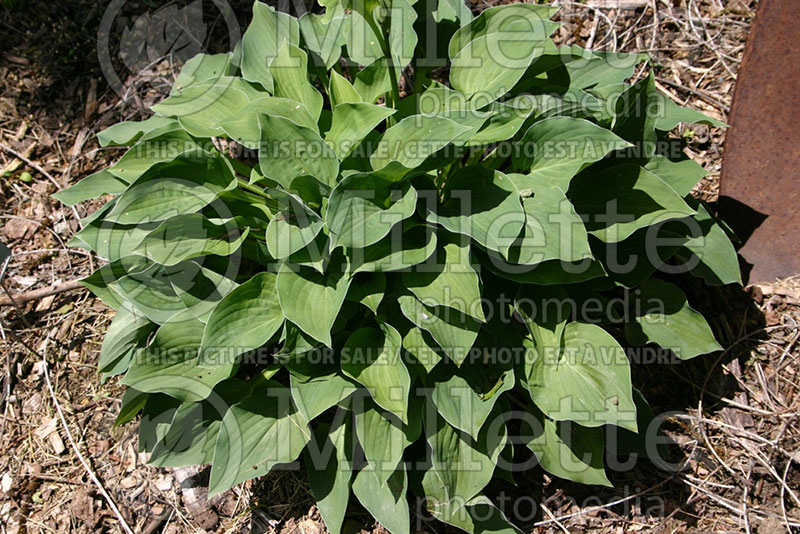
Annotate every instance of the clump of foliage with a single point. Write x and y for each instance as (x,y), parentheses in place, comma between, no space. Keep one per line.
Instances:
(362,237)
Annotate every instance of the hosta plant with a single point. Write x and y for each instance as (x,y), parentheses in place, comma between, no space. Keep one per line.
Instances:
(405,248)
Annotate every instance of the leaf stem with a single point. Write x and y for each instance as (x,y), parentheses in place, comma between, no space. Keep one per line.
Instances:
(383,37)
(244,184)
(393,81)
(419,73)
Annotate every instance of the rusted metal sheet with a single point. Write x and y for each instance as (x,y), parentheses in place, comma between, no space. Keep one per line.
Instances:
(760,183)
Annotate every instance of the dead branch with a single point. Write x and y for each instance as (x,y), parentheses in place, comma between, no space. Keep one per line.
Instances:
(36,294)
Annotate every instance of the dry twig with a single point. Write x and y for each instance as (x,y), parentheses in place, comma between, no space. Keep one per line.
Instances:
(19,298)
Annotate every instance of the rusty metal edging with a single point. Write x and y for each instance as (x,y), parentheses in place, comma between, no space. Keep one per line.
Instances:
(760,182)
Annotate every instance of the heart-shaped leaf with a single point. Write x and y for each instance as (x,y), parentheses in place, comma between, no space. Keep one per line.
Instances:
(372,357)
(312,300)
(244,320)
(363,208)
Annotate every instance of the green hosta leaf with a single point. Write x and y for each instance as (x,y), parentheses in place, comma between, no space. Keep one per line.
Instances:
(187,441)
(449,280)
(590,82)
(397,251)
(295,341)
(157,415)
(150,291)
(477,515)
(363,208)
(492,53)
(244,320)
(200,289)
(402,37)
(552,231)
(593,71)
(586,380)
(636,115)
(288,151)
(711,255)
(413,139)
(373,358)
(329,468)
(545,310)
(258,433)
(383,438)
(681,175)
(483,204)
(132,403)
(664,317)
(472,120)
(620,200)
(439,99)
(363,46)
(313,192)
(385,500)
(170,363)
(670,114)
(110,240)
(292,228)
(642,109)
(188,236)
(368,289)
(250,209)
(373,81)
(316,387)
(128,132)
(166,146)
(511,18)
(421,345)
(193,431)
(169,189)
(159,292)
(244,126)
(554,150)
(492,64)
(649,440)
(466,395)
(569,451)
(351,123)
(454,331)
(505,122)
(463,466)
(453,10)
(104,282)
(124,337)
(93,186)
(203,67)
(325,36)
(634,259)
(260,43)
(289,70)
(201,107)
(316,255)
(341,91)
(547,273)
(312,300)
